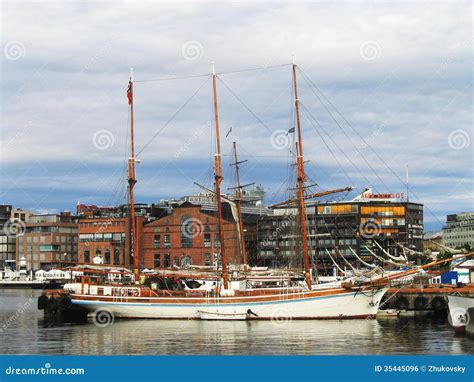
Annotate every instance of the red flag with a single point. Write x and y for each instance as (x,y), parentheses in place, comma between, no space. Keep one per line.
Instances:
(130,93)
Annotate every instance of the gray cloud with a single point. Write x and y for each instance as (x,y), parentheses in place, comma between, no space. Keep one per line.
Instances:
(399,72)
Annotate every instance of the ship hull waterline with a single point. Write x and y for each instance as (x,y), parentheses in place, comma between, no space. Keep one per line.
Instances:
(458,311)
(343,305)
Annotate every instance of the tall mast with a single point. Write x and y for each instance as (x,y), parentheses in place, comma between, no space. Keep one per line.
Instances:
(132,181)
(218,181)
(238,199)
(301,177)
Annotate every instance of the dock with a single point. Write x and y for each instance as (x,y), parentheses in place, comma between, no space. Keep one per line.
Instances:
(423,297)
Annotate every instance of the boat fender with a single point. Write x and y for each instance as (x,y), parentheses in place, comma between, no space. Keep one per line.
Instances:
(42,302)
(420,303)
(438,303)
(402,303)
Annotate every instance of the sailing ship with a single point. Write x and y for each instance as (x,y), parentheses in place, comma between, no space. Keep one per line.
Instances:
(229,296)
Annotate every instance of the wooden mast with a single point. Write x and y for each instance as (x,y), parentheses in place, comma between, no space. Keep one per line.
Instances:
(218,181)
(301,178)
(131,183)
(238,199)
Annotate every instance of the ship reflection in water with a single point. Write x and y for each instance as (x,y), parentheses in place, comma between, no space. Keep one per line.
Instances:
(23,331)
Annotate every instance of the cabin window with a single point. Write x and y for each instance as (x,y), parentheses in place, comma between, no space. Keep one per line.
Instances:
(166,260)
(156,241)
(157,260)
(87,256)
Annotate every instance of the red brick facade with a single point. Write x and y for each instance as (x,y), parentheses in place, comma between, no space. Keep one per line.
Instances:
(107,237)
(186,237)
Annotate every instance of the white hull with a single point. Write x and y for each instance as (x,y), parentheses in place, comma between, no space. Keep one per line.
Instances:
(346,304)
(458,311)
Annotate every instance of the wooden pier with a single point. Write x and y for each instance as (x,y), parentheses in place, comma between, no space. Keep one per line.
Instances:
(423,297)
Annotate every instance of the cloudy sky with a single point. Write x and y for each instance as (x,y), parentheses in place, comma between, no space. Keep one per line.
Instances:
(383,85)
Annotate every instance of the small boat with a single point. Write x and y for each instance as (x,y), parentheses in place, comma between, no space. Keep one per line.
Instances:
(219,316)
(388,313)
(459,311)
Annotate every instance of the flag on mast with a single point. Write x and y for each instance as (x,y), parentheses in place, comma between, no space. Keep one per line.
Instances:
(130,92)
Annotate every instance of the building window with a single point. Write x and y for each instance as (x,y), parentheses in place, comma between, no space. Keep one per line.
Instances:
(167,241)
(167,261)
(217,242)
(186,261)
(87,256)
(116,256)
(157,260)
(207,237)
(107,256)
(156,241)
(188,230)
(207,259)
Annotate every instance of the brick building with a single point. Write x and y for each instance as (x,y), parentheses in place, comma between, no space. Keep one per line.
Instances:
(188,236)
(106,240)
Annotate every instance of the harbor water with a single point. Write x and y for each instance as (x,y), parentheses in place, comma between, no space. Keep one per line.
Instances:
(24,331)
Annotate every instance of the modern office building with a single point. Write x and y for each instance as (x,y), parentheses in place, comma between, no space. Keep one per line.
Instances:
(49,241)
(348,225)
(12,225)
(459,230)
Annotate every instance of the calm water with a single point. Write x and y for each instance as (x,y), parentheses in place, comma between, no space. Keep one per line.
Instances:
(23,331)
